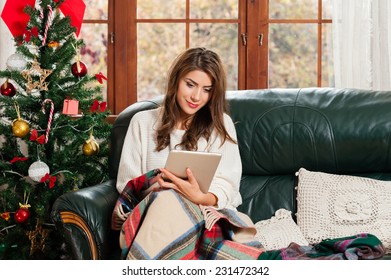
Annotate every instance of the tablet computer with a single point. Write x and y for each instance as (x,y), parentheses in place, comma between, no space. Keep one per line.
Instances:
(202,164)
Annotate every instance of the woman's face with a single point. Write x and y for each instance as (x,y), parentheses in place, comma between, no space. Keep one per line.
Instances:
(194,91)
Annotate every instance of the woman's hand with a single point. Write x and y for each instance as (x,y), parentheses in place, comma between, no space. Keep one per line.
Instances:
(189,188)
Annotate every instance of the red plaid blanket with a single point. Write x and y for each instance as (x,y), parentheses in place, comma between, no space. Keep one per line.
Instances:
(165,225)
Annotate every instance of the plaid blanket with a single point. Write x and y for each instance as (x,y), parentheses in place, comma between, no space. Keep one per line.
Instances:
(166,225)
(131,196)
(162,224)
(361,246)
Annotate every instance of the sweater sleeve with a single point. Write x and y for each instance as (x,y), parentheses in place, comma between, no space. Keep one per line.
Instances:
(130,163)
(225,184)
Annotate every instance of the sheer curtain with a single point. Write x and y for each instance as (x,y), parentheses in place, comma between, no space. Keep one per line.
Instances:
(362,43)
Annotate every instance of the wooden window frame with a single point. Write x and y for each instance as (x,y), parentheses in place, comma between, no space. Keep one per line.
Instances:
(125,59)
(260,12)
(253,20)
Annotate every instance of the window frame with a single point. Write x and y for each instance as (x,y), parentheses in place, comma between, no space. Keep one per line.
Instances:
(253,20)
(265,21)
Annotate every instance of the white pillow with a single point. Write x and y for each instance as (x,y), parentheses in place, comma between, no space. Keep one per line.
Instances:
(333,206)
(279,231)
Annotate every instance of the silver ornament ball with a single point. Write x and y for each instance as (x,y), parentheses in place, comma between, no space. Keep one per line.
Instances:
(16,62)
(37,170)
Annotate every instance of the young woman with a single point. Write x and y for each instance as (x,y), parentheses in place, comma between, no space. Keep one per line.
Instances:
(175,219)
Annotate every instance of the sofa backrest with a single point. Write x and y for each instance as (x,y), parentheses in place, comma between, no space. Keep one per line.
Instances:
(339,131)
(344,131)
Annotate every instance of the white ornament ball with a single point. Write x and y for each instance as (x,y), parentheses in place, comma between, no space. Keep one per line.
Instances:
(35,93)
(33,49)
(16,62)
(37,170)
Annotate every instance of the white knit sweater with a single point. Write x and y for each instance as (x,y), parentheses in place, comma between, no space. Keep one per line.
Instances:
(139,155)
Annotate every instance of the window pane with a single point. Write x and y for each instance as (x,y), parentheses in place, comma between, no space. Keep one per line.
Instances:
(96,9)
(158,9)
(94,54)
(222,38)
(218,9)
(156,49)
(293,9)
(327,57)
(293,55)
(327,9)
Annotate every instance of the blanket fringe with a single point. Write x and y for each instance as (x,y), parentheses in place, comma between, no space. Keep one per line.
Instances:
(118,217)
(211,216)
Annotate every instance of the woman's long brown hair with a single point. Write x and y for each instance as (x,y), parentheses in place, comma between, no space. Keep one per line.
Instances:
(209,117)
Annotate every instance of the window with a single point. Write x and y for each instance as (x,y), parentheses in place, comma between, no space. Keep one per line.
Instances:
(165,28)
(97,52)
(263,43)
(299,43)
(149,34)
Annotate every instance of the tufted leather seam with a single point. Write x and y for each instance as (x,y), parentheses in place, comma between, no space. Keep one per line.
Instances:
(293,124)
(253,129)
(332,140)
(256,124)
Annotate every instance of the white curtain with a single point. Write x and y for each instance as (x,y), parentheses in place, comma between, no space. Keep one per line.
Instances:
(6,41)
(362,43)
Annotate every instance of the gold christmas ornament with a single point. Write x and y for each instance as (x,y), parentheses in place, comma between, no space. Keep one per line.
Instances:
(90,147)
(20,128)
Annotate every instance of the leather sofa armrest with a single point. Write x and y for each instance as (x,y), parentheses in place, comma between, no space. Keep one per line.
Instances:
(84,218)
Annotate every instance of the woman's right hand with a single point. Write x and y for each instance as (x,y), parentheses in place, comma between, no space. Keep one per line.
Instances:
(189,188)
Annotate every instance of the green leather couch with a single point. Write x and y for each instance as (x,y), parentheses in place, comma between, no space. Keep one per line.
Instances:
(341,131)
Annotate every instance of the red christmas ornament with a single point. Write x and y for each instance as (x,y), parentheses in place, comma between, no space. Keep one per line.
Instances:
(8,89)
(79,69)
(22,214)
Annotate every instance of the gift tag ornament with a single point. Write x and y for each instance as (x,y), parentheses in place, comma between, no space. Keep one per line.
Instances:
(90,147)
(22,214)
(37,170)
(70,107)
(8,89)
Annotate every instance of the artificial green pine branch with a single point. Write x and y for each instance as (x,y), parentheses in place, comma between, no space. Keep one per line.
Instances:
(63,151)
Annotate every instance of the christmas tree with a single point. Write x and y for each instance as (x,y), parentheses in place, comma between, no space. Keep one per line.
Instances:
(53,129)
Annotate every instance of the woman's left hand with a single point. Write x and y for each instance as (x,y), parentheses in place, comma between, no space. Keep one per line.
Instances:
(189,188)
